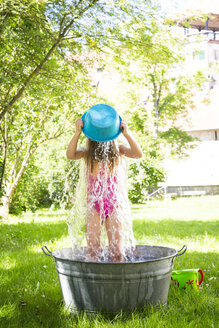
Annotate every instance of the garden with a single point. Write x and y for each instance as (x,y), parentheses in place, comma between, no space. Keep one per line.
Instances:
(59,58)
(30,291)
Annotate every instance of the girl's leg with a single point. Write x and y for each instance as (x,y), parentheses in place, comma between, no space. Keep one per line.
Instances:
(114,233)
(93,229)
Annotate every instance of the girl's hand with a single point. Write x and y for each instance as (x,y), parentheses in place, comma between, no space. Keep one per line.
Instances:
(124,128)
(79,124)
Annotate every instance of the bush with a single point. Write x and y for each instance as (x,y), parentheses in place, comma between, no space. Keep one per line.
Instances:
(43,186)
(144,177)
(31,193)
(62,186)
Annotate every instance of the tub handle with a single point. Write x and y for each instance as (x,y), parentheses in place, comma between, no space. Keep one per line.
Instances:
(183,251)
(48,253)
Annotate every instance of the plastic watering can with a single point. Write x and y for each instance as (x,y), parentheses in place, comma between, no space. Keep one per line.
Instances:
(187,279)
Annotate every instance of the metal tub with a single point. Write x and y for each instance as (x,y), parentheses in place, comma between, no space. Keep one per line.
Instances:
(110,287)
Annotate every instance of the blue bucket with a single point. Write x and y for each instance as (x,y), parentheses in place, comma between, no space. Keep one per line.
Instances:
(101,123)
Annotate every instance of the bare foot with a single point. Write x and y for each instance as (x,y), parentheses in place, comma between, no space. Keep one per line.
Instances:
(92,255)
(116,255)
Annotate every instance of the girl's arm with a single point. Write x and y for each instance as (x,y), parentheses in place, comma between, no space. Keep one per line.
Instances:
(72,151)
(134,151)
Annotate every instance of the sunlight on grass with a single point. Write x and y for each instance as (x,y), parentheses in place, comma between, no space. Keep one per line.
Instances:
(54,244)
(169,233)
(189,208)
(190,221)
(7,310)
(7,262)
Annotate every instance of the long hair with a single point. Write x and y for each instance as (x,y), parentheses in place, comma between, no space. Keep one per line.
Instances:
(104,152)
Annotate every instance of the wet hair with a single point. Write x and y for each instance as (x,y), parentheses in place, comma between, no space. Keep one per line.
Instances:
(101,152)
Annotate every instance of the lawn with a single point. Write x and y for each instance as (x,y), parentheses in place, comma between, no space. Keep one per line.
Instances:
(30,295)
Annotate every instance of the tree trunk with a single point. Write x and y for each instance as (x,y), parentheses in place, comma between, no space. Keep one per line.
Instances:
(4,209)
(156,120)
(6,199)
(28,80)
(3,167)
(5,147)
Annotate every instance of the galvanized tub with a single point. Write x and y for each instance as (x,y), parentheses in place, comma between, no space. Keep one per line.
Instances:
(110,287)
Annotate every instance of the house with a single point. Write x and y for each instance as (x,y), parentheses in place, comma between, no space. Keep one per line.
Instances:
(199,174)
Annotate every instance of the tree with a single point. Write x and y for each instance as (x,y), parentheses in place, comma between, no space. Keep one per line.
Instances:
(31,32)
(40,83)
(159,85)
(158,92)
(40,117)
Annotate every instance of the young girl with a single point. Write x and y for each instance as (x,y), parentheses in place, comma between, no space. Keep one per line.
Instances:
(104,189)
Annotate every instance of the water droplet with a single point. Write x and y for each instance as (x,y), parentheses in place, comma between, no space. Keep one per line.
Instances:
(99,221)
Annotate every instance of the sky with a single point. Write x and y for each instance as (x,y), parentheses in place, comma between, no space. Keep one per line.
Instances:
(186,6)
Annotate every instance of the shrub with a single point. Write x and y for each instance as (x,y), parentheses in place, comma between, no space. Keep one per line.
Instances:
(144,177)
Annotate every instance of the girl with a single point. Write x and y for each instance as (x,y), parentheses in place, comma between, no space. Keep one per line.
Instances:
(104,189)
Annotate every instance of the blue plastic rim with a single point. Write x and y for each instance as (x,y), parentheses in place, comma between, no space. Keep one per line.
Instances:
(101,123)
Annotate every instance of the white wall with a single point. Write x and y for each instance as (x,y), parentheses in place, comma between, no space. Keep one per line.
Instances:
(201,168)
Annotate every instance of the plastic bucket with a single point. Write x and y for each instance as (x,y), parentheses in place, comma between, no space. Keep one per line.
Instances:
(101,123)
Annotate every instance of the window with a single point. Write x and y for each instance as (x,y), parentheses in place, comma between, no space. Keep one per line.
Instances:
(199,55)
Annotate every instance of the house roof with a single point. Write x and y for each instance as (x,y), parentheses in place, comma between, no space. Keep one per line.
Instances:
(213,22)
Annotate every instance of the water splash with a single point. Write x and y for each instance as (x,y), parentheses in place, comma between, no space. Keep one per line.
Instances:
(100,222)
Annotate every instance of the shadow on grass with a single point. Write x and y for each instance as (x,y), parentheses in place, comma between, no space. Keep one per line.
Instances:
(32,286)
(30,292)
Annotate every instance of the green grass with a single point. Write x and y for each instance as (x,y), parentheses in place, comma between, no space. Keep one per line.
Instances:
(30,295)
